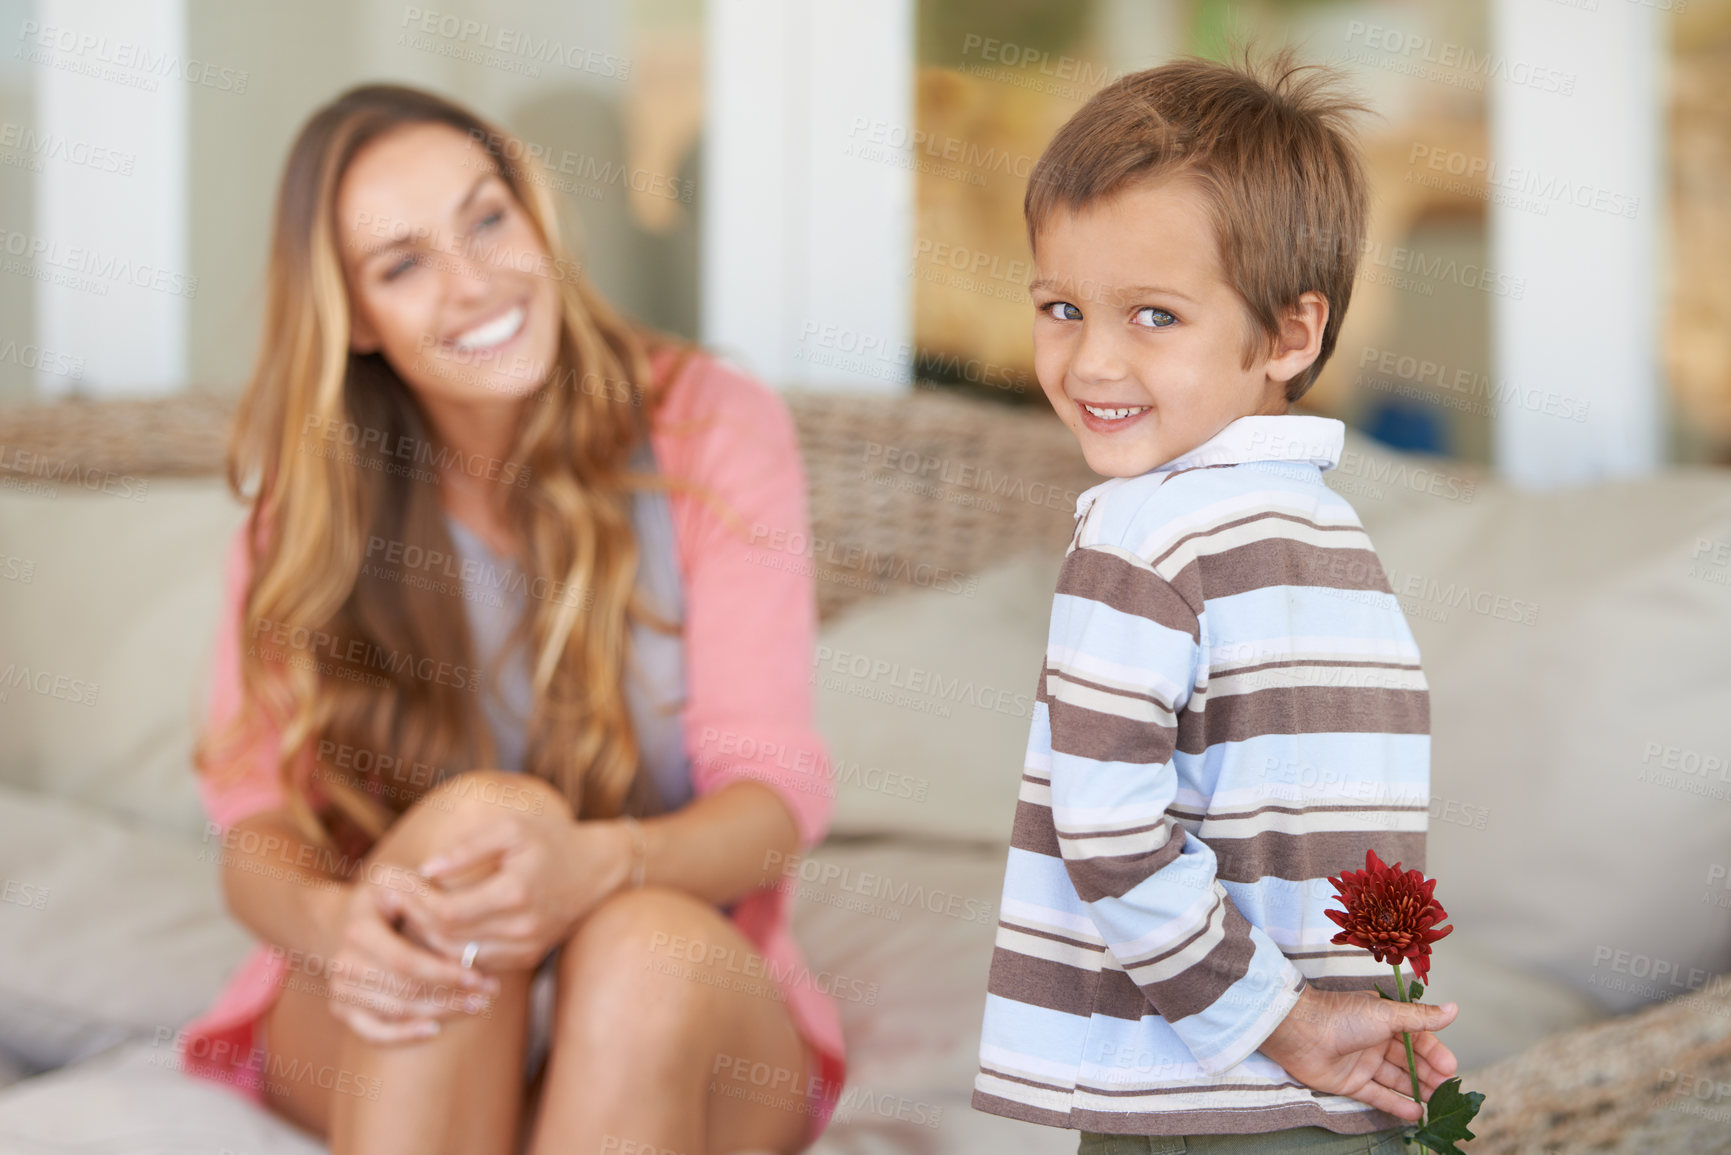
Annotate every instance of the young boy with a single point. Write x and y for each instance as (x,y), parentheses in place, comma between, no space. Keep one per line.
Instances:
(1231,708)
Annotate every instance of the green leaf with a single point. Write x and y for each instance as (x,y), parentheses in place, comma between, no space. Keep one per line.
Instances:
(1384,994)
(1448,1113)
(1417,990)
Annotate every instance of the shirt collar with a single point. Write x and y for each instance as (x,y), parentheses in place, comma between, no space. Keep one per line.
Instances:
(1314,441)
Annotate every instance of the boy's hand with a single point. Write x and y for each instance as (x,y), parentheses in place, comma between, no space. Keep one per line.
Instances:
(1349,1044)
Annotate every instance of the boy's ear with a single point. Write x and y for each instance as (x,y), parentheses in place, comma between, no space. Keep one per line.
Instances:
(1300,338)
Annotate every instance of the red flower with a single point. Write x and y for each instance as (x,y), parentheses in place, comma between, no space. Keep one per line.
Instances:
(1390,913)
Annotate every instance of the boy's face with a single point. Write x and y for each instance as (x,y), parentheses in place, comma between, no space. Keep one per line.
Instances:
(1132,313)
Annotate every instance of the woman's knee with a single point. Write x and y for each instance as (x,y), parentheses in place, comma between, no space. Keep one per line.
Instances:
(488,793)
(642,958)
(461,804)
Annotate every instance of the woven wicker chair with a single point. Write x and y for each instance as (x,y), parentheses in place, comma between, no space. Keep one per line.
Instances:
(904,485)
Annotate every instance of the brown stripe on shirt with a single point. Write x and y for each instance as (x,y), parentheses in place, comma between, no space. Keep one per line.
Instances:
(1330,663)
(1118,691)
(1293,808)
(1195,988)
(1286,561)
(1033,830)
(1107,737)
(1318,854)
(1041,982)
(1287,710)
(1115,876)
(1111,579)
(1174,546)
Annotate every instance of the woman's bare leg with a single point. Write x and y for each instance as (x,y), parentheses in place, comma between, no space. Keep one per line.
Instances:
(460,1091)
(673,1047)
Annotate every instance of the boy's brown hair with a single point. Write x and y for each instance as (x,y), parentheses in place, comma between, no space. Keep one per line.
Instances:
(1271,149)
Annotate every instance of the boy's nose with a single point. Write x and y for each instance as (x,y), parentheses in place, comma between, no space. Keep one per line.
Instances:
(1099,359)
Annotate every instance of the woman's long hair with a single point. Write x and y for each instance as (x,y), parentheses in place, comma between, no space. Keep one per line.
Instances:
(374,674)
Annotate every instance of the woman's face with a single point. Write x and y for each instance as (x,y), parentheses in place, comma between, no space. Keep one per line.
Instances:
(446,273)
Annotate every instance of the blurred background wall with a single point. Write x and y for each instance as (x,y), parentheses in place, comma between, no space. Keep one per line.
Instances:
(831,194)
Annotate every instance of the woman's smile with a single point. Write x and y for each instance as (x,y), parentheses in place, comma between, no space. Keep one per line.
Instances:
(493,333)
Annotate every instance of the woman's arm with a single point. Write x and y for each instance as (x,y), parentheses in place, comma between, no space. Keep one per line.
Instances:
(274,886)
(759,768)
(719,847)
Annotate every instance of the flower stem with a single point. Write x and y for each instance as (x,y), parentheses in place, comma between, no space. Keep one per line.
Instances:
(1411,1068)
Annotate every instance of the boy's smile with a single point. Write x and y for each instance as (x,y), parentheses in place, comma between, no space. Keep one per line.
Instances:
(1138,340)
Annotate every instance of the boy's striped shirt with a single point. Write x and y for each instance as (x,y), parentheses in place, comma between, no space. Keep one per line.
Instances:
(1231,709)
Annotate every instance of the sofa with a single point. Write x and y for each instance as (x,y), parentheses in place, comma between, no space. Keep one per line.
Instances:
(1575,645)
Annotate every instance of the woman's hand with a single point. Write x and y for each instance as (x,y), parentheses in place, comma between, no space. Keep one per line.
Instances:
(517,886)
(387,988)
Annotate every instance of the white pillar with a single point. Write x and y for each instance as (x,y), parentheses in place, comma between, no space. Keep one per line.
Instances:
(1577,96)
(808,191)
(112,262)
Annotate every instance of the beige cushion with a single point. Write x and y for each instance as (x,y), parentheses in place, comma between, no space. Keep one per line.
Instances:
(135,1100)
(1574,643)
(107,931)
(925,699)
(114,627)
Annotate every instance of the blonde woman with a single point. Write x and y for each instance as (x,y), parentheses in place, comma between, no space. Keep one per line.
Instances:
(510,736)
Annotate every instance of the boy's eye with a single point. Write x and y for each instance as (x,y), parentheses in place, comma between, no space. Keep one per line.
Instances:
(1062,311)
(1155,318)
(490,219)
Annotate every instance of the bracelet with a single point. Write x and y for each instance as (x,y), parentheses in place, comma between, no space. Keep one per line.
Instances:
(639,849)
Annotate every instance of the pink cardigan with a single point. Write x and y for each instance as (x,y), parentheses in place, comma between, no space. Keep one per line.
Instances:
(751,614)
